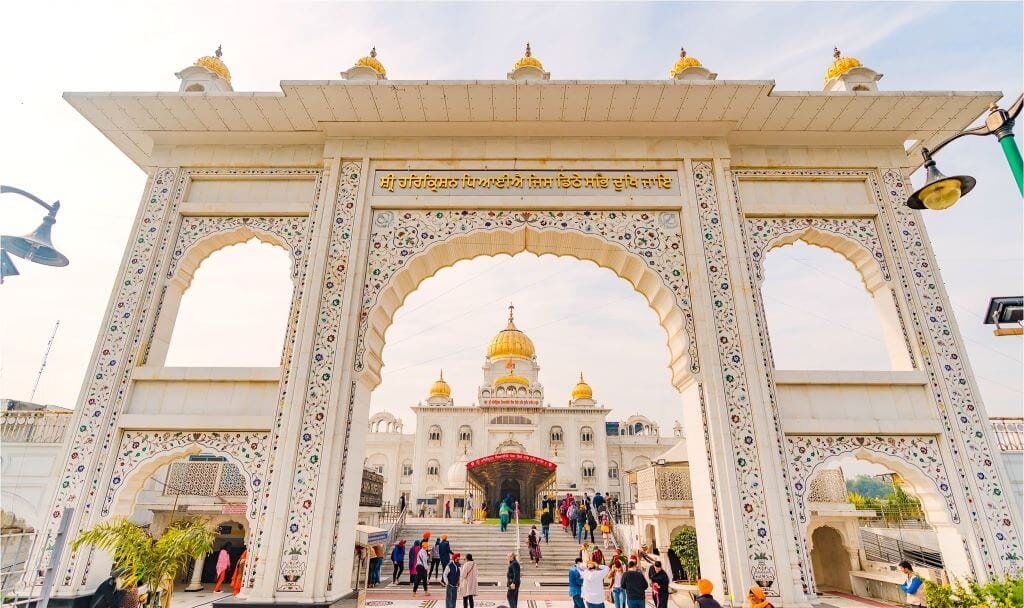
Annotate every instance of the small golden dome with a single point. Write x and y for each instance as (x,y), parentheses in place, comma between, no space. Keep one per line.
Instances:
(372,62)
(528,60)
(841,65)
(511,377)
(582,390)
(214,64)
(510,342)
(440,388)
(682,63)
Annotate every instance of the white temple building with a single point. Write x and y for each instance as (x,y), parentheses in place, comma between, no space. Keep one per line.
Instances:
(510,441)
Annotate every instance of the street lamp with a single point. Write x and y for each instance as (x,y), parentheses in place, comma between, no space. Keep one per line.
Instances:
(941,192)
(35,246)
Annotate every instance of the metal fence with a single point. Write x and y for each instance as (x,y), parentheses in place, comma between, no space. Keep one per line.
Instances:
(14,553)
(1009,433)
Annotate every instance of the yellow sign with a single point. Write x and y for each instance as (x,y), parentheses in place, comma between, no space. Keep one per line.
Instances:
(525,182)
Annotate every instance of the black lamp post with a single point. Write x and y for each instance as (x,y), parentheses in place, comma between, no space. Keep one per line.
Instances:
(941,192)
(35,246)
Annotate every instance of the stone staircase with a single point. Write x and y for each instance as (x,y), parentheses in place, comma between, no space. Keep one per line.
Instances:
(491,547)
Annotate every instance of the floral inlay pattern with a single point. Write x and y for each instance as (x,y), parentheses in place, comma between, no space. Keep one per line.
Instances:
(807,453)
(92,429)
(750,478)
(247,449)
(962,413)
(324,363)
(290,230)
(397,237)
(763,232)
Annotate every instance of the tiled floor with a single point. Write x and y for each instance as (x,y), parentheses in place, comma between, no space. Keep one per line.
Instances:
(194,599)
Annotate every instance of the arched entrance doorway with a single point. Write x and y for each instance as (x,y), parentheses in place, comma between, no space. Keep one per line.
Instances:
(829,560)
(514,474)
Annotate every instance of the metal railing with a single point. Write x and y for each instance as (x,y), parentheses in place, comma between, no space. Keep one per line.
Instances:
(1009,433)
(892,517)
(23,581)
(14,552)
(880,548)
(34,427)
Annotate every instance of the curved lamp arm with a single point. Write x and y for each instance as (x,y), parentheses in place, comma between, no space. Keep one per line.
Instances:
(999,121)
(51,208)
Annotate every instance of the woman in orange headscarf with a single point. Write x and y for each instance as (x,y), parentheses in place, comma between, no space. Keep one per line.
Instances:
(757,598)
(236,578)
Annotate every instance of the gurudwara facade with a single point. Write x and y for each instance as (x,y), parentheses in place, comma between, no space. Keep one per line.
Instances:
(510,442)
(680,186)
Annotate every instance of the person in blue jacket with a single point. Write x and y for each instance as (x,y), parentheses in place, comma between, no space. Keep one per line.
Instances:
(398,560)
(576,583)
(444,551)
(913,586)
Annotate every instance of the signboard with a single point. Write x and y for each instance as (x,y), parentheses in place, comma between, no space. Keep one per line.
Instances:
(510,401)
(233,509)
(524,182)
(517,456)
(377,537)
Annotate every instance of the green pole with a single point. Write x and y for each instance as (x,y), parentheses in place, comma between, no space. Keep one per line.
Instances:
(1013,157)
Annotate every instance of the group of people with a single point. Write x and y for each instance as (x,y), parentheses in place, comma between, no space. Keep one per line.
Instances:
(426,561)
(581,517)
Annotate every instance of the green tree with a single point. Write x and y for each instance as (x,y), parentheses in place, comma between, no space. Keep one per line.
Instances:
(995,593)
(148,561)
(684,544)
(868,486)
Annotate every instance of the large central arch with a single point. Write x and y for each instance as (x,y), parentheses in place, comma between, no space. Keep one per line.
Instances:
(643,247)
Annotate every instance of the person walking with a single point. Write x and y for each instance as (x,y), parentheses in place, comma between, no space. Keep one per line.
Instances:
(435,560)
(223,564)
(533,541)
(598,502)
(913,585)
(597,556)
(397,561)
(504,514)
(447,509)
(236,578)
(606,527)
(617,592)
(705,599)
(563,517)
(513,579)
(590,525)
(545,525)
(468,582)
(593,585)
(635,586)
(757,598)
(576,583)
(422,563)
(444,551)
(581,523)
(413,554)
(450,579)
(376,559)
(660,582)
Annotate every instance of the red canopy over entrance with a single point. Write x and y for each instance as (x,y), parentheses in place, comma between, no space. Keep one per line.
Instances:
(520,475)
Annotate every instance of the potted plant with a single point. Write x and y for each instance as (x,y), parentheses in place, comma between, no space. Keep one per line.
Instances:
(144,560)
(684,544)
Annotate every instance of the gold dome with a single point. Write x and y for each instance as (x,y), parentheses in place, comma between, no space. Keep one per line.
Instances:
(582,390)
(528,60)
(440,388)
(215,65)
(682,63)
(841,65)
(372,62)
(511,377)
(510,342)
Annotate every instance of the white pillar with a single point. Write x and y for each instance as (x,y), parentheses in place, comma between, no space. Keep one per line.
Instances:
(196,582)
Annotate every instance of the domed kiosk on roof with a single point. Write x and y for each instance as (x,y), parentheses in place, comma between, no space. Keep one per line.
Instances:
(208,74)
(366,68)
(849,74)
(689,68)
(528,68)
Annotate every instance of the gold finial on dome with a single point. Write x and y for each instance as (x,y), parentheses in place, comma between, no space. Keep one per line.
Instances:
(215,64)
(440,388)
(528,60)
(582,390)
(371,61)
(510,342)
(840,65)
(682,63)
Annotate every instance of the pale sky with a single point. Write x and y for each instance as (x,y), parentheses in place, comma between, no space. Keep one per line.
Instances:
(579,316)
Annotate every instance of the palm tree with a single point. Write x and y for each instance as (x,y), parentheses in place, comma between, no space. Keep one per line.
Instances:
(144,560)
